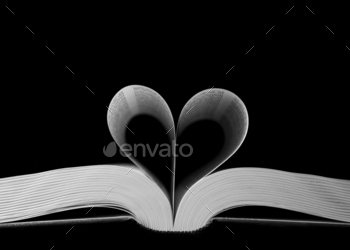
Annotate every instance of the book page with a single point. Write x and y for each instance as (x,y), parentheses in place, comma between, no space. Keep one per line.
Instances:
(229,112)
(215,104)
(111,186)
(310,194)
(135,100)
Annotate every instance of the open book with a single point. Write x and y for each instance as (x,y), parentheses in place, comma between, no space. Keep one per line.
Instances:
(178,196)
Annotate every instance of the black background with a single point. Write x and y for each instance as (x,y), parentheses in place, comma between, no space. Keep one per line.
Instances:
(293,83)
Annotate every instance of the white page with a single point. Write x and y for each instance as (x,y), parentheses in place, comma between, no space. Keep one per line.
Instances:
(135,100)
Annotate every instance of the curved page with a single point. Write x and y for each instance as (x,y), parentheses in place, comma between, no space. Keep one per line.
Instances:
(215,123)
(133,101)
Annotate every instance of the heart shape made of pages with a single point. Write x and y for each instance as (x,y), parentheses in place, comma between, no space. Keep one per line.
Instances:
(219,105)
